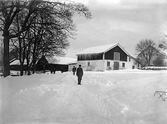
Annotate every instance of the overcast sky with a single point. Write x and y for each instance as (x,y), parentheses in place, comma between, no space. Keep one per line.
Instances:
(119,21)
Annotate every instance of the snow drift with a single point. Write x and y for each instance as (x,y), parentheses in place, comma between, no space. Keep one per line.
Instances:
(116,97)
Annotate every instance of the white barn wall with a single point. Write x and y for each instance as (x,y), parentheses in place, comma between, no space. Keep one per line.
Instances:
(101,65)
(128,65)
(70,66)
(111,65)
(95,65)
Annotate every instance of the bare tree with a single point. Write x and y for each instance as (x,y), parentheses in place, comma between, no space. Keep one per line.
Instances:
(159,61)
(146,50)
(18,17)
(163,43)
(8,11)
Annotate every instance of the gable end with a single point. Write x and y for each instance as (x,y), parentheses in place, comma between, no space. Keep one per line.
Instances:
(109,55)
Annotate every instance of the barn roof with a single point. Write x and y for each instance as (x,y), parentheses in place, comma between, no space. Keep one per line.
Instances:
(101,49)
(17,62)
(62,60)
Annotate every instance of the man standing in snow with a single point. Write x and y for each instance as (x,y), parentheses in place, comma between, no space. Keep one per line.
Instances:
(79,74)
(74,70)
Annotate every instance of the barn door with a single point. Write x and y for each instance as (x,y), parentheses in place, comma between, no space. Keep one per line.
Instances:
(116,65)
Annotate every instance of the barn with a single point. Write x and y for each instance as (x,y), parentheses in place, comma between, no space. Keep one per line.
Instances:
(61,63)
(106,57)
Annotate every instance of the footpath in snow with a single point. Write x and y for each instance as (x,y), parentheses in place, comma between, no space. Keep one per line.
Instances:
(117,97)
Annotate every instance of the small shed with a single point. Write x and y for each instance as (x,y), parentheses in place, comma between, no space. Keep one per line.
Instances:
(62,63)
(106,57)
(15,65)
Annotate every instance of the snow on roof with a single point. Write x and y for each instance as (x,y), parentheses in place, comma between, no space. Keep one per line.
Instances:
(54,60)
(62,60)
(164,52)
(100,49)
(67,60)
(97,49)
(17,62)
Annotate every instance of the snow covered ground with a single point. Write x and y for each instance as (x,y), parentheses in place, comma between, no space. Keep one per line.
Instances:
(115,97)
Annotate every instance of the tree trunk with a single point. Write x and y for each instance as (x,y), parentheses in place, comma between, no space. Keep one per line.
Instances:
(28,70)
(27,58)
(21,69)
(43,68)
(28,66)
(34,58)
(6,56)
(34,68)
(33,65)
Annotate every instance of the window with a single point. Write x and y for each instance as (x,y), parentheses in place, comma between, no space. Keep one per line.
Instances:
(108,63)
(88,63)
(116,56)
(129,59)
(133,67)
(123,64)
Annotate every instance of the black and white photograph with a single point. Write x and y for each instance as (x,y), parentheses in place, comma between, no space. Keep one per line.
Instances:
(83,61)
